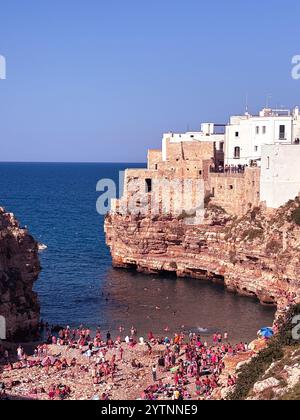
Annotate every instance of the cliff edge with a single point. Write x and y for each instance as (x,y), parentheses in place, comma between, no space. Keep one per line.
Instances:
(19,269)
(255,255)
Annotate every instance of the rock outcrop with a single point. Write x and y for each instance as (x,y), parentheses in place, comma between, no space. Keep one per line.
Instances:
(19,269)
(256,255)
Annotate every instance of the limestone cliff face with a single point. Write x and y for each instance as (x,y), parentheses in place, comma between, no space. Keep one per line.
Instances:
(19,269)
(256,255)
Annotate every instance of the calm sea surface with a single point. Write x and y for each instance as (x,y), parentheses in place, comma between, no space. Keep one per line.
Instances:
(78,286)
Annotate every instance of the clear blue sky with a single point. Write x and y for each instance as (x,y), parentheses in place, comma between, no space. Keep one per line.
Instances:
(99,80)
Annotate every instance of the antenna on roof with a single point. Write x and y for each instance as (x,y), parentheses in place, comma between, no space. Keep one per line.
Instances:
(247,104)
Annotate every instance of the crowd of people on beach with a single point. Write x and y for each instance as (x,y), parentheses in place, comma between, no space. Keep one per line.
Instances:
(194,361)
(180,368)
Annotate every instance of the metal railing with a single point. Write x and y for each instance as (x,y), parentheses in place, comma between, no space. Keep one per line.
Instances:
(228,169)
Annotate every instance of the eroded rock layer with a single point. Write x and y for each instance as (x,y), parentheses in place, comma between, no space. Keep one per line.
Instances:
(19,269)
(256,255)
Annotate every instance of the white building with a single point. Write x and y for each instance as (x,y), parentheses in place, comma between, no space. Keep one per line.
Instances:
(280,174)
(245,135)
(209,132)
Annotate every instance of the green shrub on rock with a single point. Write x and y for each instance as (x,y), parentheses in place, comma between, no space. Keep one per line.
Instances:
(252,372)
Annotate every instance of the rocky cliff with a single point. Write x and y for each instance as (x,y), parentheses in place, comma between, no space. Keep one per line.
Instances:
(256,255)
(19,269)
(273,370)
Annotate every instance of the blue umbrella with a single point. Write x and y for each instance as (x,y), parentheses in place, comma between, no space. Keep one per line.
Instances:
(266,332)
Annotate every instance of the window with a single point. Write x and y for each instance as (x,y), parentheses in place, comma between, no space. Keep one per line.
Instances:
(256,148)
(156,166)
(282,132)
(148,185)
(231,187)
(222,147)
(237,134)
(237,152)
(268,162)
(264,129)
(257,130)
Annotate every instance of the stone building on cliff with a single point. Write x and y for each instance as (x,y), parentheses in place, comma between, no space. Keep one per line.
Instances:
(177,178)
(221,164)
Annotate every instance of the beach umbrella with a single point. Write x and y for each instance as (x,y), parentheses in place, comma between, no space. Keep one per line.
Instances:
(266,332)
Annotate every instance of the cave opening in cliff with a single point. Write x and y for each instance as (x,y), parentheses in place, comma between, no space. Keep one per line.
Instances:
(219,279)
(167,274)
(132,267)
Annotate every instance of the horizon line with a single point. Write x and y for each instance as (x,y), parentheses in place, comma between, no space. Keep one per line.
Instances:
(71,162)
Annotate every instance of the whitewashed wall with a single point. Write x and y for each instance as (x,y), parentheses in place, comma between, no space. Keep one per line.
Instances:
(280,174)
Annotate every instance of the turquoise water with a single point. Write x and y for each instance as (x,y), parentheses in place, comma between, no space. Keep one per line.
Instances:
(77,285)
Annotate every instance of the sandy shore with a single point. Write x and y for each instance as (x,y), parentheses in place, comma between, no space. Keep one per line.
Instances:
(128,384)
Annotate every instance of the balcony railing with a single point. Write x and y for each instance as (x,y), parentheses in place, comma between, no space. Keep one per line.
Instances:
(229,169)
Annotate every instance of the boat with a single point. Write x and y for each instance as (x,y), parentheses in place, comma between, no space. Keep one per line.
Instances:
(42,247)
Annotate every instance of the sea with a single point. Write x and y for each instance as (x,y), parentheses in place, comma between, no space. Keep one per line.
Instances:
(78,286)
